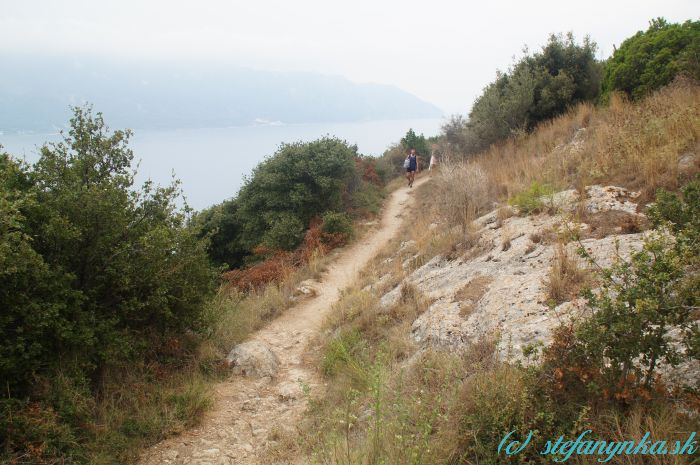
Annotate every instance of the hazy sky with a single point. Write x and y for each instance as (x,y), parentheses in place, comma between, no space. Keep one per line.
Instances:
(442,51)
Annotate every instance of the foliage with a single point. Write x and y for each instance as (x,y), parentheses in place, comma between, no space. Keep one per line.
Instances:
(532,200)
(538,87)
(413,141)
(390,164)
(221,226)
(94,273)
(277,205)
(653,58)
(287,190)
(618,351)
(337,223)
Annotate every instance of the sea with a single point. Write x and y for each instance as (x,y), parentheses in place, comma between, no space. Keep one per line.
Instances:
(211,163)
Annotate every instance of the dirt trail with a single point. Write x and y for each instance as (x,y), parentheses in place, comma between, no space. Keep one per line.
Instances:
(247,413)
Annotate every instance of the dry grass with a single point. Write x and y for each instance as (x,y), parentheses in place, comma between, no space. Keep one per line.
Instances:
(464,193)
(633,145)
(607,223)
(235,314)
(506,238)
(502,214)
(471,293)
(662,422)
(386,403)
(566,277)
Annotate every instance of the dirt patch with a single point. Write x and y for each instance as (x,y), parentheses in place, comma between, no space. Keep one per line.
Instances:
(471,293)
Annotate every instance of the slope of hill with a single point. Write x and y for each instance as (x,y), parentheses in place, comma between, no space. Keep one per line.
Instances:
(35,94)
(473,324)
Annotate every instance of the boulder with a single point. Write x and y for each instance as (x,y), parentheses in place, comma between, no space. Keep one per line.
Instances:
(253,358)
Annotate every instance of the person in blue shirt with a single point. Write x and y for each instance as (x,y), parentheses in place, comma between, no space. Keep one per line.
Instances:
(411,165)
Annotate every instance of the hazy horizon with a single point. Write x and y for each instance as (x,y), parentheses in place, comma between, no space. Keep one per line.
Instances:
(443,54)
(36,94)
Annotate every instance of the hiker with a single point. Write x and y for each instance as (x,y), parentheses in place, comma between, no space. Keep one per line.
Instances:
(411,165)
(434,158)
(433,162)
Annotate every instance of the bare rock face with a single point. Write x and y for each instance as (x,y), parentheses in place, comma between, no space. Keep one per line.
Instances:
(597,199)
(500,288)
(254,359)
(687,163)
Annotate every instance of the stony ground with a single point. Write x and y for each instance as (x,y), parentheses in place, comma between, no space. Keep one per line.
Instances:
(264,396)
(499,286)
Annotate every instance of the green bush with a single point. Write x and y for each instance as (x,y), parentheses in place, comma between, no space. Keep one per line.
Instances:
(537,88)
(286,231)
(534,199)
(300,181)
(285,192)
(618,351)
(337,223)
(653,58)
(413,141)
(93,270)
(221,226)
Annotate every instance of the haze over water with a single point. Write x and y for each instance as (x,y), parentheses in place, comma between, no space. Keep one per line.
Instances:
(211,163)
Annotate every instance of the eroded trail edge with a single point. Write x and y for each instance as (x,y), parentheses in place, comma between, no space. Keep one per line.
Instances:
(248,414)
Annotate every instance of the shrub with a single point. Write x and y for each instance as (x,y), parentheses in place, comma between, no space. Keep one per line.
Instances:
(618,351)
(653,58)
(532,200)
(95,275)
(221,226)
(284,195)
(465,193)
(413,141)
(108,268)
(537,88)
(337,223)
(287,190)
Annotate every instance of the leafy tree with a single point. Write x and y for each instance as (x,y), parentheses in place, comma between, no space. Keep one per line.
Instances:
(538,87)
(412,140)
(287,190)
(221,226)
(93,269)
(653,58)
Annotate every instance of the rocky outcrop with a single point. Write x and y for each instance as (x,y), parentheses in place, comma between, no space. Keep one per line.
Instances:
(499,287)
(253,358)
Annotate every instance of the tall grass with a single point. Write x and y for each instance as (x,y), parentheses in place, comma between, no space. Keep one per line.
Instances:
(388,402)
(631,144)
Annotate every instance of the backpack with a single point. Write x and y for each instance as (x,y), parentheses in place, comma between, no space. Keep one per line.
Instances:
(406,163)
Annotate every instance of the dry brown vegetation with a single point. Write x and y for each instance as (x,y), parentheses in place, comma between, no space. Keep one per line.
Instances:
(632,145)
(388,403)
(471,293)
(603,224)
(566,277)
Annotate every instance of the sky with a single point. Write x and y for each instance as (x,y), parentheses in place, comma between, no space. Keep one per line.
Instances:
(444,52)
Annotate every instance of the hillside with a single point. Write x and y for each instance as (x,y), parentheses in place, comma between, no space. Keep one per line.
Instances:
(267,397)
(475,321)
(461,329)
(539,286)
(36,92)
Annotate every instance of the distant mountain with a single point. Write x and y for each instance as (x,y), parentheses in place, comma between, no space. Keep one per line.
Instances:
(36,93)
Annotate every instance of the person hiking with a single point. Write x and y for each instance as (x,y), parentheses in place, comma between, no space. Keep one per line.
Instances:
(411,165)
(434,158)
